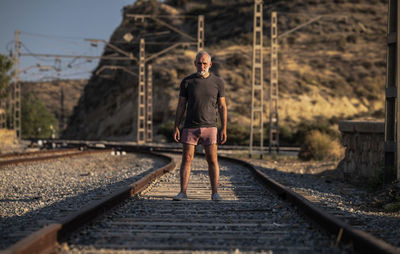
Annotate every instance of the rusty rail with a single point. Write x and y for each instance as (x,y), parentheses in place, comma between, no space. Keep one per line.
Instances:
(27,154)
(66,153)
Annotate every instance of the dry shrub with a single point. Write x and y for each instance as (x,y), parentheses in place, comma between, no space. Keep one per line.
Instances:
(320,146)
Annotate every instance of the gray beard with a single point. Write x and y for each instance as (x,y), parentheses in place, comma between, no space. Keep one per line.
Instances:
(203,73)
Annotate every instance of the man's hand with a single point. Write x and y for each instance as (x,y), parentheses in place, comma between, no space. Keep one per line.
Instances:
(223,113)
(180,110)
(223,137)
(177,134)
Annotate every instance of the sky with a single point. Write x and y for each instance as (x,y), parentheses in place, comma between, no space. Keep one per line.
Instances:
(58,27)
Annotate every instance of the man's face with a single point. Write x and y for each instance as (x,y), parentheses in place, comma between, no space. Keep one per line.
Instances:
(203,64)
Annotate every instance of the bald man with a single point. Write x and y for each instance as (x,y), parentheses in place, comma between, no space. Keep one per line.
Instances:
(202,94)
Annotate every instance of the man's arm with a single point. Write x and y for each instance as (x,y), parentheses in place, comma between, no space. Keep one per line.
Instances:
(223,114)
(180,111)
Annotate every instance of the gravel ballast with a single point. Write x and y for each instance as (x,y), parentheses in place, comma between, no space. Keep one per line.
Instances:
(36,194)
(320,184)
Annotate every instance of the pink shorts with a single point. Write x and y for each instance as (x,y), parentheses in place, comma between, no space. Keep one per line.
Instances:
(204,135)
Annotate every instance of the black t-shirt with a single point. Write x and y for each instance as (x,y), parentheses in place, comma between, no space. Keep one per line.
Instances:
(202,98)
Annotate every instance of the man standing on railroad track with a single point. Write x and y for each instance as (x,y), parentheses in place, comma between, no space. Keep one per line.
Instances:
(203,93)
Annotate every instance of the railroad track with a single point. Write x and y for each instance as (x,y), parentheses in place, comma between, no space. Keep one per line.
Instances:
(10,156)
(18,158)
(251,218)
(81,204)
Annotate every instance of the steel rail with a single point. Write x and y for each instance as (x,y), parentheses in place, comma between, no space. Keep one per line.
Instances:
(362,241)
(47,239)
(151,146)
(50,157)
(7,155)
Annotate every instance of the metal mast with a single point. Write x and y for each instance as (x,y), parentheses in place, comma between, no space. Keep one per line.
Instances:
(257,78)
(392,124)
(141,129)
(273,88)
(200,33)
(16,91)
(149,100)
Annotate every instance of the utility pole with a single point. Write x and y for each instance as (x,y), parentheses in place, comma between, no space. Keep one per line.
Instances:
(200,33)
(16,90)
(273,88)
(141,128)
(62,105)
(257,79)
(149,106)
(392,107)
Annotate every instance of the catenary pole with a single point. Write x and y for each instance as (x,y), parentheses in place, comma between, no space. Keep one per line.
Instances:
(273,88)
(257,80)
(16,90)
(141,127)
(391,111)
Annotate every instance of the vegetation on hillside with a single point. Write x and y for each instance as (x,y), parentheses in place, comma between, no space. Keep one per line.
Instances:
(59,96)
(37,121)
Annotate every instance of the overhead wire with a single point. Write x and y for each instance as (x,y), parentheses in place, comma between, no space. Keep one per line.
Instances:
(74,64)
(68,39)
(30,52)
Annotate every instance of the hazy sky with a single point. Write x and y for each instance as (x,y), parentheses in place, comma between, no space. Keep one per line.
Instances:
(58,27)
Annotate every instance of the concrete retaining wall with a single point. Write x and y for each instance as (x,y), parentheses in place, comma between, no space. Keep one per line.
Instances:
(364,156)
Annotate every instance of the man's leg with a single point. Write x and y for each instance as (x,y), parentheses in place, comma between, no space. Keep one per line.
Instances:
(213,167)
(187,157)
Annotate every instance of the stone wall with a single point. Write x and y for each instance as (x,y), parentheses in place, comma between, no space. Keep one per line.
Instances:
(364,156)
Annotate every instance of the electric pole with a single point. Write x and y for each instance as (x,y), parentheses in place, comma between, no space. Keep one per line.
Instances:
(200,33)
(141,128)
(16,89)
(62,105)
(392,107)
(273,88)
(257,79)
(149,106)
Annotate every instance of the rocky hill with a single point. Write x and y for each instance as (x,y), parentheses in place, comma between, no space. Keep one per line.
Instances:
(331,69)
